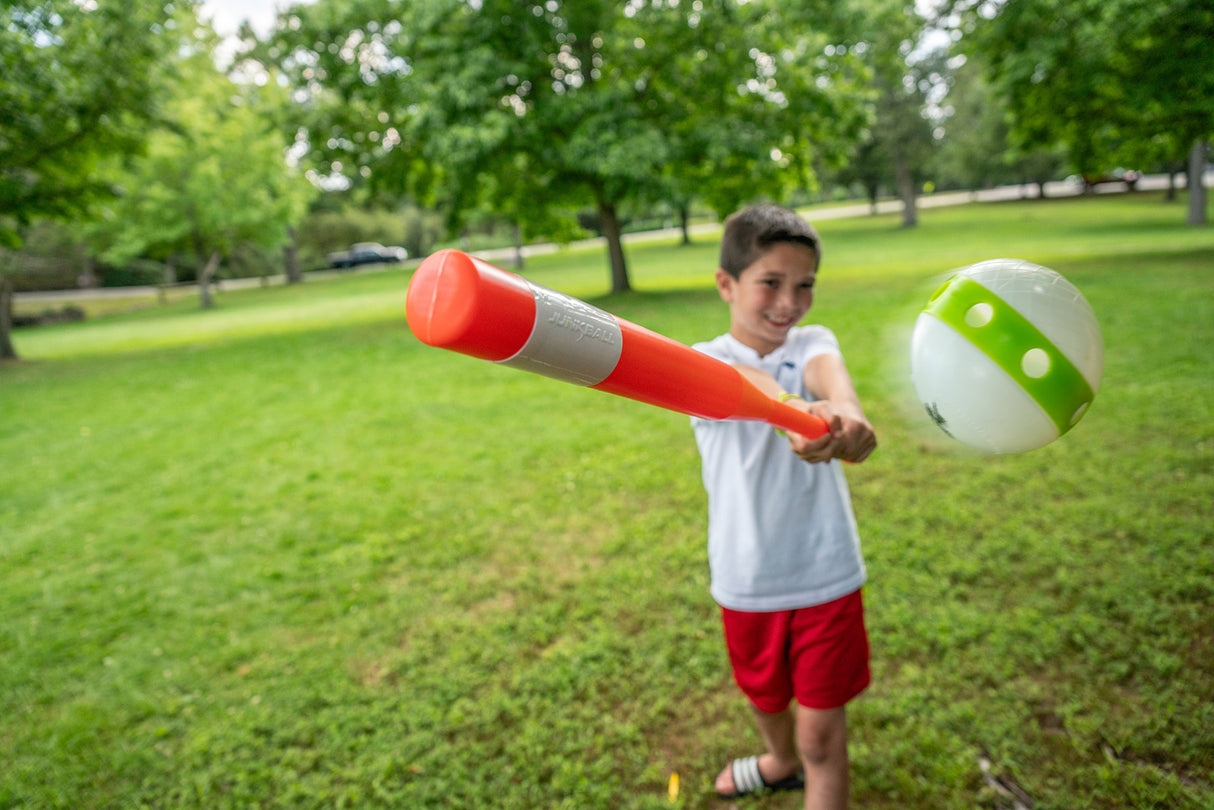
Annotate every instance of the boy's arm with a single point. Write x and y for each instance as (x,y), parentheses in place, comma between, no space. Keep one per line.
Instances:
(761,380)
(823,448)
(826,378)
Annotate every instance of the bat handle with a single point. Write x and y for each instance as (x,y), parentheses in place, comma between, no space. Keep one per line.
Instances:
(798,421)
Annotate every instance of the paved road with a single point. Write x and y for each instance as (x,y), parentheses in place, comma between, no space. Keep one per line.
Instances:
(1062,188)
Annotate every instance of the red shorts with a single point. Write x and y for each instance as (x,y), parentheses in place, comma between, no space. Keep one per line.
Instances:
(818,655)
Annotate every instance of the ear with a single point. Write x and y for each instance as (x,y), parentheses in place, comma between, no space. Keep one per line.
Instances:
(725,284)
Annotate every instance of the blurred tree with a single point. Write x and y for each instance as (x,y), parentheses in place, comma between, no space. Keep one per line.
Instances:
(753,99)
(80,83)
(1049,59)
(560,104)
(214,178)
(973,154)
(870,167)
(899,143)
(976,151)
(906,130)
(1168,51)
(1113,80)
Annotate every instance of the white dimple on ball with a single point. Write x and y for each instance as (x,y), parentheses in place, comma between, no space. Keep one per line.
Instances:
(979,315)
(1035,363)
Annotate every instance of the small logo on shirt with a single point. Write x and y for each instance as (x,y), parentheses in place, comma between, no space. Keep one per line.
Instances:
(786,375)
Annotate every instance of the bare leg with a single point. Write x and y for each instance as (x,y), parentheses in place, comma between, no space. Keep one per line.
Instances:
(821,739)
(781,760)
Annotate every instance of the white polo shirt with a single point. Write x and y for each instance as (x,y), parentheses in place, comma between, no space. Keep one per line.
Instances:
(781,532)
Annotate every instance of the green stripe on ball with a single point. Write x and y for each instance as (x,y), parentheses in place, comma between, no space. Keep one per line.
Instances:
(1018,347)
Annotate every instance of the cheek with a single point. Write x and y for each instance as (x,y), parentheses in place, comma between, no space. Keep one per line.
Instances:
(758,298)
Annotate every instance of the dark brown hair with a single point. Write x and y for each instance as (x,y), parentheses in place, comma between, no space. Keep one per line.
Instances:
(752,231)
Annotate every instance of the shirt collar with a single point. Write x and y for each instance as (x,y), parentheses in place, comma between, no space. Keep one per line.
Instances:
(750,357)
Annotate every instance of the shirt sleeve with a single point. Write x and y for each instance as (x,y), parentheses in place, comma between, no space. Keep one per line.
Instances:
(807,342)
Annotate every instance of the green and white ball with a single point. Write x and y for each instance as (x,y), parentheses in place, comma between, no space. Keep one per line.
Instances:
(1007,356)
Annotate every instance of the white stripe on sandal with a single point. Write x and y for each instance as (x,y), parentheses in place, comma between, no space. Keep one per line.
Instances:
(746,776)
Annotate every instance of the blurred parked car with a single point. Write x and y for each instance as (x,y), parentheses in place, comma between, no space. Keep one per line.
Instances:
(367,253)
(1127,176)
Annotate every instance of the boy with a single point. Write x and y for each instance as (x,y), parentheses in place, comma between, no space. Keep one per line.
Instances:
(784,552)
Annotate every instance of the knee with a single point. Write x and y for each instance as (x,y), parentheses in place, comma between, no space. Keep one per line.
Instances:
(821,742)
(816,748)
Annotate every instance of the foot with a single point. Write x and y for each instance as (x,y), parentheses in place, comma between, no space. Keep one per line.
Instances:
(750,774)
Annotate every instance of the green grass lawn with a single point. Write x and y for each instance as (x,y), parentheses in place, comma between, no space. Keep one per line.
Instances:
(280,554)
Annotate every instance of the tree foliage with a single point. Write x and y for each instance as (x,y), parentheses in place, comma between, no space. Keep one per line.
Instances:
(1169,62)
(1112,80)
(976,150)
(973,154)
(80,82)
(570,104)
(1050,59)
(897,146)
(213,178)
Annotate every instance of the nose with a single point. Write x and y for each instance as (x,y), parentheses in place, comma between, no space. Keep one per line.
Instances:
(788,297)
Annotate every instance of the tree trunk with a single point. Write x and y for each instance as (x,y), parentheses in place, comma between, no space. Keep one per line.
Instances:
(291,257)
(7,352)
(906,192)
(610,223)
(1174,168)
(874,192)
(205,274)
(685,223)
(518,247)
(1197,186)
(88,271)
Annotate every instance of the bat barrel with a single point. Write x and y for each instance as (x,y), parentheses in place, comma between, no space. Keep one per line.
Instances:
(460,303)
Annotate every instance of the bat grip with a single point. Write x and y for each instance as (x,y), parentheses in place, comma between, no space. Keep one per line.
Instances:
(798,421)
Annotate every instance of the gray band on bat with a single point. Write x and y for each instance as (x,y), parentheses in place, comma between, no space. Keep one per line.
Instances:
(571,341)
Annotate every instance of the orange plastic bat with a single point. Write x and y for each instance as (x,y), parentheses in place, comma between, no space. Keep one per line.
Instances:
(458,302)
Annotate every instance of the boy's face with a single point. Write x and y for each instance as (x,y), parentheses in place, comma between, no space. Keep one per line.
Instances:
(771,296)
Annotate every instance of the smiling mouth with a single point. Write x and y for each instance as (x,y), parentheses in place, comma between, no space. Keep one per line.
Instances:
(781,323)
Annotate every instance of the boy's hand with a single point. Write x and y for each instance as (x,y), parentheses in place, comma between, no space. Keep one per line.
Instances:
(857,440)
(850,438)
